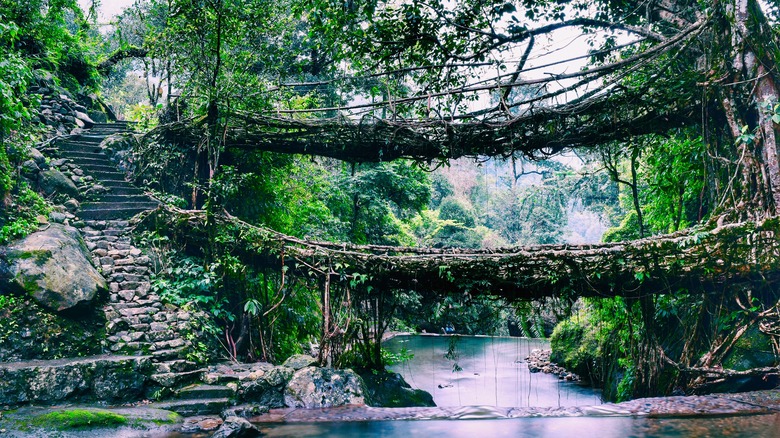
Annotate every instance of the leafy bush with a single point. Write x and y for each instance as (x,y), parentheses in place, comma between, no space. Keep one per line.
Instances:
(575,346)
(19,218)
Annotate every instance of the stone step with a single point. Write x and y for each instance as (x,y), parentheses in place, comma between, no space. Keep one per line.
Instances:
(103,173)
(174,366)
(92,206)
(95,166)
(78,155)
(94,159)
(92,138)
(112,213)
(123,189)
(205,392)
(169,354)
(115,183)
(107,130)
(66,147)
(173,380)
(189,408)
(133,197)
(123,124)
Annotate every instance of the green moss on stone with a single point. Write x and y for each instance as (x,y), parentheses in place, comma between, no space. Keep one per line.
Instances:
(78,419)
(40,255)
(173,418)
(752,350)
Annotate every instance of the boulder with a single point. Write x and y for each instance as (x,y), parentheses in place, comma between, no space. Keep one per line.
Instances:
(390,390)
(72,205)
(53,266)
(236,427)
(265,387)
(54,181)
(298,361)
(30,170)
(37,156)
(84,118)
(313,387)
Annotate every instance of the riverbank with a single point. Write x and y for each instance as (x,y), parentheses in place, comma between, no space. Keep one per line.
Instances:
(144,421)
(539,362)
(749,403)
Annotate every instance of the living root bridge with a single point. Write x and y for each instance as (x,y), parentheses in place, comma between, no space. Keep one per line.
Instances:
(688,261)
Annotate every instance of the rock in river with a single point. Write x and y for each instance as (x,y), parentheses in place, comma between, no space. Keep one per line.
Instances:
(313,387)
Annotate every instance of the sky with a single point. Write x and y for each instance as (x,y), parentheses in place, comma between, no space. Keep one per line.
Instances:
(108,8)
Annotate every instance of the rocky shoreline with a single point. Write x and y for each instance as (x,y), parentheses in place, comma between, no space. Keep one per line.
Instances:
(539,362)
(146,421)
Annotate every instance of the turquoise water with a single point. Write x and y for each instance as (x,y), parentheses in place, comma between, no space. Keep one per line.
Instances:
(762,426)
(491,371)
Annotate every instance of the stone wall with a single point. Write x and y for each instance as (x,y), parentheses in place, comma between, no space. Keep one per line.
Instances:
(106,378)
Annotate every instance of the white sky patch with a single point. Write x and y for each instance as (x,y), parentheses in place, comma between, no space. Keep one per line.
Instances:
(108,9)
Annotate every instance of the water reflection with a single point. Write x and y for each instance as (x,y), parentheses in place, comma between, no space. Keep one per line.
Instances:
(763,426)
(489,371)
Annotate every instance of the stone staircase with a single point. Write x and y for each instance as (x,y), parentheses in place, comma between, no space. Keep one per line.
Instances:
(138,323)
(121,200)
(199,399)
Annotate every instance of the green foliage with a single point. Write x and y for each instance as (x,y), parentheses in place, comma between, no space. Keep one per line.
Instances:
(29,332)
(54,36)
(390,358)
(19,218)
(530,215)
(670,184)
(187,282)
(469,315)
(290,195)
(575,346)
(78,419)
(378,198)
(451,208)
(251,312)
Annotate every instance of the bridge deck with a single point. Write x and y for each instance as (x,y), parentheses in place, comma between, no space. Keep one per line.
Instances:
(691,260)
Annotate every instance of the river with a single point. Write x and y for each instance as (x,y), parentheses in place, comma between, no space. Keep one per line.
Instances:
(481,373)
(489,371)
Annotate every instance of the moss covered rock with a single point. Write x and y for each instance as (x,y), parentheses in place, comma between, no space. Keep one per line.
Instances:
(752,350)
(54,267)
(105,378)
(390,390)
(68,419)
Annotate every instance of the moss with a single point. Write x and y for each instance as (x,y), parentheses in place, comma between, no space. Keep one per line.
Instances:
(30,286)
(173,418)
(78,419)
(752,350)
(40,255)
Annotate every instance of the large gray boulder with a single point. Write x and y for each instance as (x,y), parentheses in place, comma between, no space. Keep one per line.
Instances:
(53,266)
(53,181)
(313,387)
